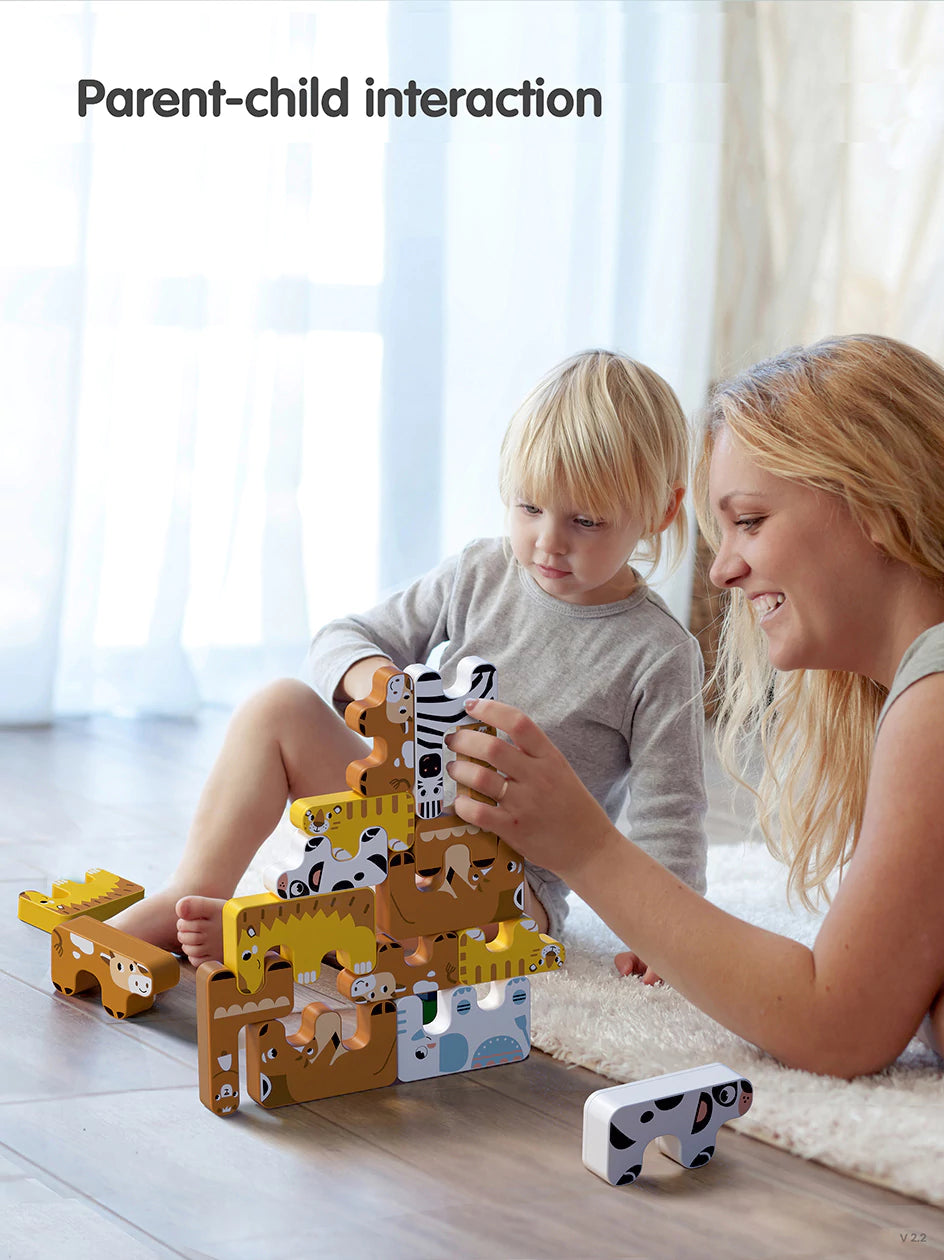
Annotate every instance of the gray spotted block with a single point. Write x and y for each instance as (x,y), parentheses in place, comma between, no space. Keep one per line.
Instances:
(682,1110)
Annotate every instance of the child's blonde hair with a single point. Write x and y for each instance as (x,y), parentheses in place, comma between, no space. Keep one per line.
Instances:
(862,418)
(604,434)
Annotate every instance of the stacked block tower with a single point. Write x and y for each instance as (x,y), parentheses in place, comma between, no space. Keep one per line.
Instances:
(416,905)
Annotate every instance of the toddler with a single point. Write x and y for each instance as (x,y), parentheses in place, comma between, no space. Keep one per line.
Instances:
(592,474)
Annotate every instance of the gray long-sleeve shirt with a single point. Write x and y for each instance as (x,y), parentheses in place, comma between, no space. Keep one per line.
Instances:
(617,687)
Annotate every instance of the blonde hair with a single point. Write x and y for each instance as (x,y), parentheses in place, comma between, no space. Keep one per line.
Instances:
(862,418)
(606,435)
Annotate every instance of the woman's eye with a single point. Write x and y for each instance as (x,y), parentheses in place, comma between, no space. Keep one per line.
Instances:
(748,523)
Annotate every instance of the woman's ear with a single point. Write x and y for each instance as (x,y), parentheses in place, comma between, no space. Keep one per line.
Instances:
(675,502)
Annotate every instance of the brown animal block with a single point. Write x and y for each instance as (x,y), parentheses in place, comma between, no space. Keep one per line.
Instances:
(129,972)
(469,878)
(316,1062)
(222,1010)
(432,965)
(386,716)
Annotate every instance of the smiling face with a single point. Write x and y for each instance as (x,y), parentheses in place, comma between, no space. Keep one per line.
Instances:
(573,556)
(817,584)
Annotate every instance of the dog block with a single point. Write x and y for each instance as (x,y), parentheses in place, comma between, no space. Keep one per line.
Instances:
(682,1110)
(519,949)
(130,973)
(303,929)
(455,876)
(343,842)
(465,1033)
(100,895)
(221,1012)
(434,964)
(316,1062)
(386,716)
(437,711)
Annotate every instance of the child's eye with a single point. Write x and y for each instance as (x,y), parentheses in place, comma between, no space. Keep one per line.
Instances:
(529,509)
(586,522)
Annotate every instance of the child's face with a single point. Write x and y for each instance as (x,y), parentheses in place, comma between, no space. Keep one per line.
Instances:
(571,555)
(810,573)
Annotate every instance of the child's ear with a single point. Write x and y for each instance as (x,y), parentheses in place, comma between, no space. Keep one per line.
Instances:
(675,502)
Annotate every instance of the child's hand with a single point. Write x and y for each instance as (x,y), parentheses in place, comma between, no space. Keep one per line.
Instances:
(630,964)
(542,809)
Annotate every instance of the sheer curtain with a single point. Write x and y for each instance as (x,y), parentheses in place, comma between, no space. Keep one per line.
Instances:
(256,371)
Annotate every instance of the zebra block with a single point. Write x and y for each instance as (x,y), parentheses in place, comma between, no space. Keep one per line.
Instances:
(465,1033)
(682,1110)
(437,711)
(86,954)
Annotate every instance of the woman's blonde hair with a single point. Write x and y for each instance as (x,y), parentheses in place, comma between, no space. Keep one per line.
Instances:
(606,435)
(862,418)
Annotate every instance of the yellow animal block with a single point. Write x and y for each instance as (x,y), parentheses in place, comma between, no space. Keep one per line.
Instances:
(303,929)
(519,949)
(99,896)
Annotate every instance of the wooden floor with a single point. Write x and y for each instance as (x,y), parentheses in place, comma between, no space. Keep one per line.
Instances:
(106,1150)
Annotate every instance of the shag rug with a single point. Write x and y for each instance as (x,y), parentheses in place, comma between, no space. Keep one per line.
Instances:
(887,1128)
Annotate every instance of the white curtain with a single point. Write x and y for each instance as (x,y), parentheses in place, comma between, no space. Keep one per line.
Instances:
(255,371)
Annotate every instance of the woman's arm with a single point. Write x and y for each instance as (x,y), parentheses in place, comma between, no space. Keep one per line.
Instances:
(846,1007)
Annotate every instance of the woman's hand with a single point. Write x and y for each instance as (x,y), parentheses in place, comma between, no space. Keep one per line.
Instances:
(630,964)
(541,808)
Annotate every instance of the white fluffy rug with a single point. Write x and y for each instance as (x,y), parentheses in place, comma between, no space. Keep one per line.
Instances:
(887,1128)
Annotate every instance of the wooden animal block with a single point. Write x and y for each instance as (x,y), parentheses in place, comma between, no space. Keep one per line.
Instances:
(316,1062)
(465,1033)
(455,876)
(344,842)
(386,716)
(437,711)
(682,1110)
(518,949)
(434,964)
(100,895)
(221,1012)
(130,973)
(303,929)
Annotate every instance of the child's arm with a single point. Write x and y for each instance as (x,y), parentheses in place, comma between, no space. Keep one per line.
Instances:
(846,1007)
(401,629)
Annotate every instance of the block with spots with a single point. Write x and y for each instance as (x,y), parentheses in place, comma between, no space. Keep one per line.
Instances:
(682,1110)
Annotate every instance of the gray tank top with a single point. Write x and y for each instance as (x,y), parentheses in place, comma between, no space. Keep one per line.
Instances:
(924,656)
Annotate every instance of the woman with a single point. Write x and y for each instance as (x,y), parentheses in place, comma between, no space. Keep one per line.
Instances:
(823,473)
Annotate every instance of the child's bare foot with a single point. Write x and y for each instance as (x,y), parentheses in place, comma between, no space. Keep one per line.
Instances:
(153,920)
(200,928)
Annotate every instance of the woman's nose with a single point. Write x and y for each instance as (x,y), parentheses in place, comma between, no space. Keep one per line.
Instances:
(728,567)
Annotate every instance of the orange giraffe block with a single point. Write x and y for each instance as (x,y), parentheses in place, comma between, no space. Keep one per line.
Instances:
(386,716)
(468,877)
(303,929)
(130,973)
(518,949)
(221,1012)
(100,895)
(434,964)
(316,1062)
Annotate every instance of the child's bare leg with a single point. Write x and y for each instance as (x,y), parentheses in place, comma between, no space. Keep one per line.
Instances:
(283,743)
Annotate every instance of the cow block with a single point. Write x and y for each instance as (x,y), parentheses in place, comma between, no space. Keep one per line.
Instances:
(86,953)
(683,1111)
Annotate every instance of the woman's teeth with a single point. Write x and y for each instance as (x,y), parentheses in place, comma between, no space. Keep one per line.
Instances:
(767,603)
